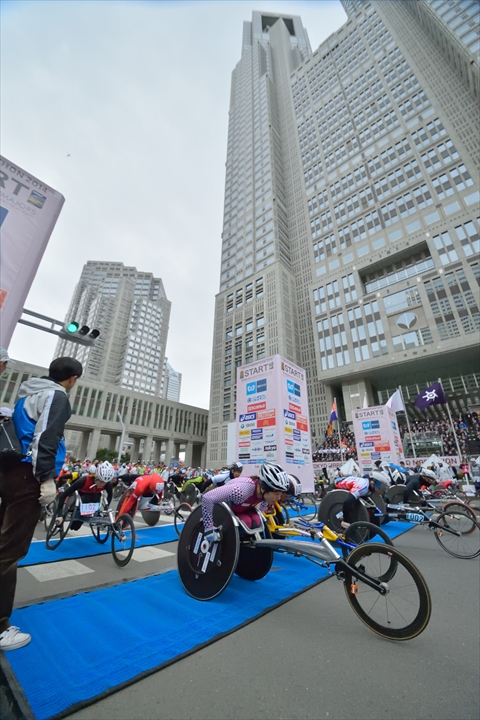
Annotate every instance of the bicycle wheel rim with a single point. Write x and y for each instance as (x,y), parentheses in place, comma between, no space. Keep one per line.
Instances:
(466,544)
(100,533)
(182,513)
(457,506)
(54,536)
(404,612)
(123,540)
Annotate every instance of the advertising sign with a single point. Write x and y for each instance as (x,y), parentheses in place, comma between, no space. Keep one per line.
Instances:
(28,212)
(377,436)
(273,422)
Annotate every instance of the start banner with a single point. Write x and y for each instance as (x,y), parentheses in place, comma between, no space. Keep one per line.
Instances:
(273,423)
(29,210)
(377,436)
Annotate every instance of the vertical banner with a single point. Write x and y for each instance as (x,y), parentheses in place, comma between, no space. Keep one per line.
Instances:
(273,422)
(29,210)
(377,436)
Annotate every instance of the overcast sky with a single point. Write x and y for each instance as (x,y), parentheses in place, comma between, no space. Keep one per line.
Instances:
(123,108)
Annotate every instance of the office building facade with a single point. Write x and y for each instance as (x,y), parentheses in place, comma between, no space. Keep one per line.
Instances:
(351,233)
(132,312)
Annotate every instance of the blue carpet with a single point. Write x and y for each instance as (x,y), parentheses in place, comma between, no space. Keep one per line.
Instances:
(72,548)
(82,648)
(87,546)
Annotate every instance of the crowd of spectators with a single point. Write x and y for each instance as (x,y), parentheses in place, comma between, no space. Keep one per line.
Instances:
(467,430)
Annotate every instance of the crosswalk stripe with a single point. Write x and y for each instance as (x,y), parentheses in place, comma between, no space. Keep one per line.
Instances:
(58,570)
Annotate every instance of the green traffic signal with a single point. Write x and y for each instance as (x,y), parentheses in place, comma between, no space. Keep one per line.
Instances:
(72,327)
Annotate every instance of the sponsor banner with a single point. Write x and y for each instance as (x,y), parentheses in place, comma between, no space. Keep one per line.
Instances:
(257,406)
(272,404)
(29,210)
(376,436)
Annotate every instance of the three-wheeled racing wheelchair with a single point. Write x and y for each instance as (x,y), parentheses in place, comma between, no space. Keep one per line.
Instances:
(384,588)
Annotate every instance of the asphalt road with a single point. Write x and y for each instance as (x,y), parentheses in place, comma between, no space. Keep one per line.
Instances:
(313,658)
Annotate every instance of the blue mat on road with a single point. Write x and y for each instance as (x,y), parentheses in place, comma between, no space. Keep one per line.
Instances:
(77,547)
(82,648)
(86,546)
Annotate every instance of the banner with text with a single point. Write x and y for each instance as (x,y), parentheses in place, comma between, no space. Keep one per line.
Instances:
(377,436)
(28,212)
(273,422)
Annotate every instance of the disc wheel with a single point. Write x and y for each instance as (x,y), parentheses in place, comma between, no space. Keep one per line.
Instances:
(254,562)
(151,517)
(395,494)
(123,540)
(181,515)
(458,534)
(331,510)
(404,611)
(204,568)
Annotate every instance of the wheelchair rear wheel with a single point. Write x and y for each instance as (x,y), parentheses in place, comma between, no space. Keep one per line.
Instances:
(205,569)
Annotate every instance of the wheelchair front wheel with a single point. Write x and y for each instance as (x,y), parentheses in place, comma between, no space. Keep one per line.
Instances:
(404,611)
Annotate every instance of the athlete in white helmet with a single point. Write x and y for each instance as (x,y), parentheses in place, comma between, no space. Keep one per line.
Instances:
(243,495)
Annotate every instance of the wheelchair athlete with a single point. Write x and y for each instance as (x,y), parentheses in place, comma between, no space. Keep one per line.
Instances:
(244,494)
(425,477)
(359,487)
(89,488)
(147,486)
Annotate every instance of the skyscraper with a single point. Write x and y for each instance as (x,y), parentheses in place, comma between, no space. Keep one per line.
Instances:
(351,238)
(131,310)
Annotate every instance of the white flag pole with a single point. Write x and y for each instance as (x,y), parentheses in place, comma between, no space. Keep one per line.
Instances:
(338,430)
(408,423)
(451,422)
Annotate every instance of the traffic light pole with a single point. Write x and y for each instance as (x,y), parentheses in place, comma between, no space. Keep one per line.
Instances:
(61,333)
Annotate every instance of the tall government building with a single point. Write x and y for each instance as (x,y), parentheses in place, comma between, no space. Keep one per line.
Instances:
(132,312)
(351,232)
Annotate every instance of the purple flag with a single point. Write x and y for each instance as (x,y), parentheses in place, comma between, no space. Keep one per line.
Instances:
(432,395)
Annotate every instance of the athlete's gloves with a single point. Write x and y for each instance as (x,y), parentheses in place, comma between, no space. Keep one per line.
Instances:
(48,490)
(212,535)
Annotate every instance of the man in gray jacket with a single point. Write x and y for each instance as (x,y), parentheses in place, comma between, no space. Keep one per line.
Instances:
(39,417)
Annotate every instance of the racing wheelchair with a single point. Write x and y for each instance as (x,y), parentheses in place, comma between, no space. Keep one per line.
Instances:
(383,587)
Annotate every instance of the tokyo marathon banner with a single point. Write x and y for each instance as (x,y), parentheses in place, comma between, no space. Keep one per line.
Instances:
(273,422)
(29,210)
(377,436)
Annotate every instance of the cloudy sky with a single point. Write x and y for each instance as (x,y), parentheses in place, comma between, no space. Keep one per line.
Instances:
(122,106)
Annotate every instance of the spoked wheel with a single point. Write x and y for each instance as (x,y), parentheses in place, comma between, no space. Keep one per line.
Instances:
(360,532)
(254,562)
(181,515)
(54,534)
(100,533)
(310,501)
(48,511)
(282,516)
(123,540)
(151,517)
(459,535)
(204,568)
(454,506)
(69,513)
(404,611)
(331,510)
(381,519)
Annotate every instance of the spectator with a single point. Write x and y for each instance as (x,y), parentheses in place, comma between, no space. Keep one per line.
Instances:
(39,417)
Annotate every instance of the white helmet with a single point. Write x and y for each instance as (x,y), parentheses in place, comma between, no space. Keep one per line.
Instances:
(105,472)
(273,477)
(295,486)
(425,472)
(380,480)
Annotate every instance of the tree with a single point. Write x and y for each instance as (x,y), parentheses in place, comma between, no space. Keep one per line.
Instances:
(104,454)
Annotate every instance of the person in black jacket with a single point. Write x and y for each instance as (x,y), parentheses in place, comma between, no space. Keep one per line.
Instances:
(39,417)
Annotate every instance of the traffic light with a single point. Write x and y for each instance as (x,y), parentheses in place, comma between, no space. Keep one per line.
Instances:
(75,330)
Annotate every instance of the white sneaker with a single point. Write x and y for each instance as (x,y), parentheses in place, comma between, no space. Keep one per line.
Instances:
(12,638)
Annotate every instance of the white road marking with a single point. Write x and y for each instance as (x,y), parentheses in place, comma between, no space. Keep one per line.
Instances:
(57,570)
(145,554)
